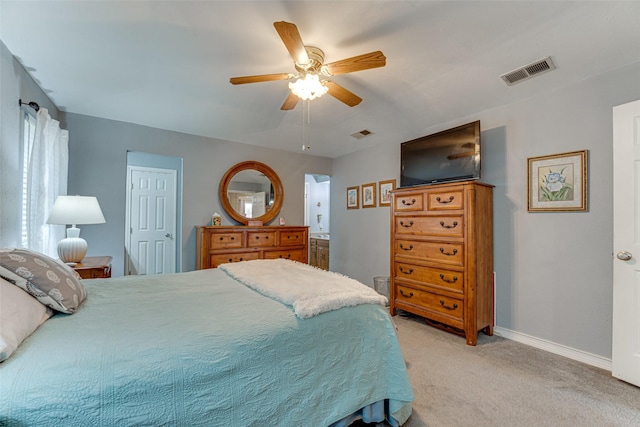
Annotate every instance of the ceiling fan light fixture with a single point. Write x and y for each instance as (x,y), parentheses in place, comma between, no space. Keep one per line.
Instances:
(308,88)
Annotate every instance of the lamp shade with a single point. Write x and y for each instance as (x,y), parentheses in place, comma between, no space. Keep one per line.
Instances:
(76,210)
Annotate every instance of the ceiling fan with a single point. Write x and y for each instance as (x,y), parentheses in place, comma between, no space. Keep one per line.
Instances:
(309,62)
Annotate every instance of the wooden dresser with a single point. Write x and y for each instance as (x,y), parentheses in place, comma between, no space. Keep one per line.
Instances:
(442,255)
(221,244)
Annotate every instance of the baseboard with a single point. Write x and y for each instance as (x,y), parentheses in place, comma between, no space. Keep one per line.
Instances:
(562,350)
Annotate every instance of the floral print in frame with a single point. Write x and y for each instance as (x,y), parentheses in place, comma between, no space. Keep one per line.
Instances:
(557,183)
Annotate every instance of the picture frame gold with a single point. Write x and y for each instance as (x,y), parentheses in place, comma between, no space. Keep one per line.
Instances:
(384,193)
(369,195)
(353,197)
(558,182)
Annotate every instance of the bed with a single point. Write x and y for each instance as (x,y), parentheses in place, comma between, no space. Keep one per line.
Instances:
(203,348)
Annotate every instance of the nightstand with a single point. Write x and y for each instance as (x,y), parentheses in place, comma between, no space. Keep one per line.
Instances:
(94,267)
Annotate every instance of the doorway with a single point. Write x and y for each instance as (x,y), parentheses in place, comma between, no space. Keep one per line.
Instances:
(153,220)
(316,206)
(626,243)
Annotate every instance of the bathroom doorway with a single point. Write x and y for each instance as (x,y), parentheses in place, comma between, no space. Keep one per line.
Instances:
(316,207)
(316,217)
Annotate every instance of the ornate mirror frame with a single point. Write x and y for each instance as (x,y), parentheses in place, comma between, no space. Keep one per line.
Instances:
(278,191)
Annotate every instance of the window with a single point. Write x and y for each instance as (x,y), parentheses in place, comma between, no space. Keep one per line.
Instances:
(28,131)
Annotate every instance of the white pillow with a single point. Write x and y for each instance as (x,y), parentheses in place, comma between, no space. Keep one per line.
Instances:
(20,315)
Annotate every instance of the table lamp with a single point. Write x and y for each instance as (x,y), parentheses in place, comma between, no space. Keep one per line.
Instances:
(74,210)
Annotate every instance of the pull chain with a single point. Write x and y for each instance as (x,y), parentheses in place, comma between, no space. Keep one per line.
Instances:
(306,124)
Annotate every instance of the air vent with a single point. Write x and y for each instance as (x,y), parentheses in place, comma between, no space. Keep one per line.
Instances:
(363,133)
(528,71)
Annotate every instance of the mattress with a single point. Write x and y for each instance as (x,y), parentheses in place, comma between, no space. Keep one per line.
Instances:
(201,349)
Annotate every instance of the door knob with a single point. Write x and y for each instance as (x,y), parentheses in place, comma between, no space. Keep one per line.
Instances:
(624,256)
(168,235)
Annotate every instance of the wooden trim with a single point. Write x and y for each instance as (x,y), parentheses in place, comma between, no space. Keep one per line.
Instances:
(278,191)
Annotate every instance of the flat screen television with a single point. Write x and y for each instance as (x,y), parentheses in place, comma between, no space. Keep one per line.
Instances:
(450,155)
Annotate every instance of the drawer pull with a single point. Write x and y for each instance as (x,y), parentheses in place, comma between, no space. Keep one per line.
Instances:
(405,295)
(408,203)
(258,237)
(287,257)
(448,307)
(454,280)
(454,225)
(402,270)
(222,238)
(231,259)
(445,201)
(406,249)
(406,225)
(455,251)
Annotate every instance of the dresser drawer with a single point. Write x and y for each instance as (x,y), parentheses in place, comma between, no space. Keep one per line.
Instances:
(450,307)
(445,199)
(292,238)
(228,240)
(293,255)
(448,253)
(444,279)
(261,239)
(232,257)
(449,226)
(409,202)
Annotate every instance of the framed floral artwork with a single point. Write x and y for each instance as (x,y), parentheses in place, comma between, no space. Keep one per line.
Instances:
(557,183)
(386,187)
(369,195)
(353,197)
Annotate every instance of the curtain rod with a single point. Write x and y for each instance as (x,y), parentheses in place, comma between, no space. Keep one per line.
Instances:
(31,104)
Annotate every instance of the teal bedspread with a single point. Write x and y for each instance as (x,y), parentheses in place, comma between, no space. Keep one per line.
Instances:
(200,349)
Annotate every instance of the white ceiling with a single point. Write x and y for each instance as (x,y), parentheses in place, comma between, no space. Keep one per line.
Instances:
(167,64)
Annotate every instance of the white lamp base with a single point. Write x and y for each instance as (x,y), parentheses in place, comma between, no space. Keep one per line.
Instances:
(73,248)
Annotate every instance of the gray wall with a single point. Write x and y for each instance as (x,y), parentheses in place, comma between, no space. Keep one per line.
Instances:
(97,167)
(15,84)
(554,270)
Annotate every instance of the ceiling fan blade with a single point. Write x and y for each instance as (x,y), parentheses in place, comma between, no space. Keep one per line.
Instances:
(291,102)
(291,38)
(258,79)
(357,63)
(342,94)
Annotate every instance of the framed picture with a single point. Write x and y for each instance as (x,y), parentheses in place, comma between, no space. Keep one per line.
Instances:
(557,183)
(353,197)
(385,192)
(369,195)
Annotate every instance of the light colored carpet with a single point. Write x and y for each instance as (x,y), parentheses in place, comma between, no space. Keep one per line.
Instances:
(501,382)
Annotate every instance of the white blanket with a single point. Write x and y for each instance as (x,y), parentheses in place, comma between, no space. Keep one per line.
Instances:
(308,290)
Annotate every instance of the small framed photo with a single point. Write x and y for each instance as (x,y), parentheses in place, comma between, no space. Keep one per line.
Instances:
(353,197)
(557,183)
(386,187)
(369,195)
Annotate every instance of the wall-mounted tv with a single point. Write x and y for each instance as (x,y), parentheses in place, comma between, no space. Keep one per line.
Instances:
(450,155)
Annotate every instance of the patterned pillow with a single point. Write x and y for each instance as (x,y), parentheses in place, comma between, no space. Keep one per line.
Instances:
(51,282)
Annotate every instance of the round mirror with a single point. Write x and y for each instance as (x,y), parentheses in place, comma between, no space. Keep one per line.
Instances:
(251,191)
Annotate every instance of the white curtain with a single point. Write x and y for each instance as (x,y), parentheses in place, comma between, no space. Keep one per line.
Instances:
(46,179)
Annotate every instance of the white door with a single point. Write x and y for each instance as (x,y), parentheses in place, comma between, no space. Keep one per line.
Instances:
(626,243)
(151,220)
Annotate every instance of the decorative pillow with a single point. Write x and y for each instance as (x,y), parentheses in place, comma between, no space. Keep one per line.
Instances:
(51,282)
(20,315)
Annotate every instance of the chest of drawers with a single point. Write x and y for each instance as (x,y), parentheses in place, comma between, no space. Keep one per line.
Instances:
(442,256)
(221,244)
